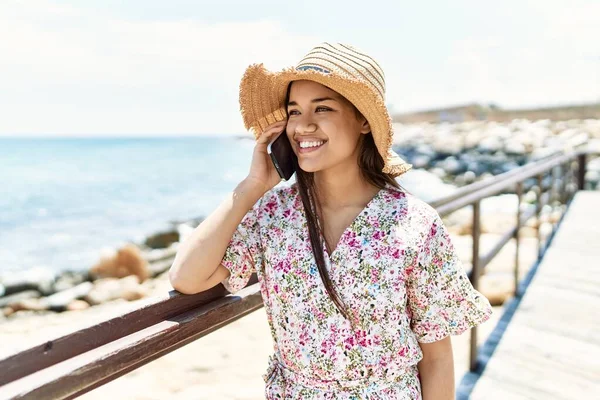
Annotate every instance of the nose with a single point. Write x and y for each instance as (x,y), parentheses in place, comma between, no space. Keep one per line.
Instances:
(304,125)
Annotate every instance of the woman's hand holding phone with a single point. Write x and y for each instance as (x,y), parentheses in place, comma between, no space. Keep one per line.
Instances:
(263,176)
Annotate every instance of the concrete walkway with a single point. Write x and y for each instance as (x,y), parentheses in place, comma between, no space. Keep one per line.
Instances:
(550,346)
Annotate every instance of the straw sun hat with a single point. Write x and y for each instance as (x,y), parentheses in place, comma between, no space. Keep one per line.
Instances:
(342,68)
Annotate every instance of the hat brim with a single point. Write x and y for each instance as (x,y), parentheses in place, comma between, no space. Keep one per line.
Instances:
(262,103)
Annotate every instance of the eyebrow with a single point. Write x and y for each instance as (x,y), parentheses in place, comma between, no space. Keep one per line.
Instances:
(318,100)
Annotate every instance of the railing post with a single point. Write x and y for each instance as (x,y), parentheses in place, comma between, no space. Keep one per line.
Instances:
(564,171)
(538,213)
(517,236)
(554,194)
(581,160)
(476,233)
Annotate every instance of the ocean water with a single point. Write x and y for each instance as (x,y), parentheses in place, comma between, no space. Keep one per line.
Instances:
(62,201)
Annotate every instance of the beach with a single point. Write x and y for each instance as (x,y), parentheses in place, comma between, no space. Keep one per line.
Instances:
(229,363)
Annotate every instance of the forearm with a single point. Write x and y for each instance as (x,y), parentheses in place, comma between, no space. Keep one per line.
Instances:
(201,253)
(436,371)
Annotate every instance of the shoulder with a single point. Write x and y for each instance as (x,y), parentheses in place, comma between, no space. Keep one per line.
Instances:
(277,200)
(410,205)
(412,217)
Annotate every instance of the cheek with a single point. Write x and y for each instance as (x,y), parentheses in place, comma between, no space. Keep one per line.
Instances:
(289,129)
(343,134)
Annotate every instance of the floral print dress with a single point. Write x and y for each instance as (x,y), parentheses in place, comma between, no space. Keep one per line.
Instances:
(397,273)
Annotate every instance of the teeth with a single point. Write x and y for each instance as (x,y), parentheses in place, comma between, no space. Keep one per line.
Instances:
(305,145)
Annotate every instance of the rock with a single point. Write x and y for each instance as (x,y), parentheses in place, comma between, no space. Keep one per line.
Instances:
(108,289)
(508,166)
(545,229)
(469,177)
(459,180)
(439,172)
(37,278)
(527,231)
(594,164)
(497,223)
(156,255)
(555,216)
(530,197)
(497,287)
(460,221)
(476,168)
(7,301)
(490,145)
(472,138)
(60,301)
(449,145)
(78,305)
(29,305)
(127,261)
(532,223)
(162,240)
(425,150)
(593,177)
(7,311)
(515,148)
(420,161)
(160,267)
(69,279)
(453,166)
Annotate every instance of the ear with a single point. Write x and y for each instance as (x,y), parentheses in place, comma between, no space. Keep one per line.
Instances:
(365,127)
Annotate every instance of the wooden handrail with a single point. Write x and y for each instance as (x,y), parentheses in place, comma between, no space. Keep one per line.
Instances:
(73,364)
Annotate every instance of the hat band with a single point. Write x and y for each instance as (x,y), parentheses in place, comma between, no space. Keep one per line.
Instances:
(313,67)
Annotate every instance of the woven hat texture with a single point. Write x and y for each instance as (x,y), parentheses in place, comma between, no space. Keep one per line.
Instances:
(342,68)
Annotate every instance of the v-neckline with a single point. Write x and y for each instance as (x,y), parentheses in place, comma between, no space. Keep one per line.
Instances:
(356,219)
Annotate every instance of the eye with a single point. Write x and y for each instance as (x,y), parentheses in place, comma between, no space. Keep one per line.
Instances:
(321,108)
(293,112)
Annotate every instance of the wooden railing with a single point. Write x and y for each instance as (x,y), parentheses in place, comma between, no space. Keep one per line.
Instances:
(69,366)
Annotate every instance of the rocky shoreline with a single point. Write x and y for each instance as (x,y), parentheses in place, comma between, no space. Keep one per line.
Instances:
(461,153)
(125,273)
(457,154)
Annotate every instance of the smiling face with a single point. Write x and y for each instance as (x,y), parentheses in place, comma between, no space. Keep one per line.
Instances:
(323,127)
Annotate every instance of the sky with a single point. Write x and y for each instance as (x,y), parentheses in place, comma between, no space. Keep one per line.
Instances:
(172,68)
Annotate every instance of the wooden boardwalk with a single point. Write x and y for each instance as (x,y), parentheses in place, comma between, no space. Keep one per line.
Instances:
(549,347)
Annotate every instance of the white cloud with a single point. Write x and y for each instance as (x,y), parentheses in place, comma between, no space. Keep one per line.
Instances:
(67,64)
(69,70)
(547,56)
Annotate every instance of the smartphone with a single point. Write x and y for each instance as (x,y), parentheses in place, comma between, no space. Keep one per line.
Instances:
(281,153)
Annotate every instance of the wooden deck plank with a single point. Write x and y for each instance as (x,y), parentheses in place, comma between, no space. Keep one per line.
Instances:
(551,347)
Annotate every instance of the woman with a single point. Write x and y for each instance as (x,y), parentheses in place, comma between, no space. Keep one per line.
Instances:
(361,283)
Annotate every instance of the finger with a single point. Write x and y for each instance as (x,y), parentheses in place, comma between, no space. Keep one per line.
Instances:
(275,129)
(269,133)
(264,137)
(277,123)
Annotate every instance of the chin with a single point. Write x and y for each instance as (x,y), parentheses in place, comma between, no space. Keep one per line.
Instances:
(310,167)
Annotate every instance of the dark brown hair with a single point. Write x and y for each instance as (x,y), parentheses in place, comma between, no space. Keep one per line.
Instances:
(370,163)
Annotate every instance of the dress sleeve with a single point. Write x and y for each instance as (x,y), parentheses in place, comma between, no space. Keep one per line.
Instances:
(441,299)
(244,253)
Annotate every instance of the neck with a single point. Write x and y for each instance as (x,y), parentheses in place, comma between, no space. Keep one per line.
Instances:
(339,189)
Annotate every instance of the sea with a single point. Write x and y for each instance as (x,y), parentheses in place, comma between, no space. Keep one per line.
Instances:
(63,201)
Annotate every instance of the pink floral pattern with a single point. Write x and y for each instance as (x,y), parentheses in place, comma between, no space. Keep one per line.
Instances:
(396,271)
